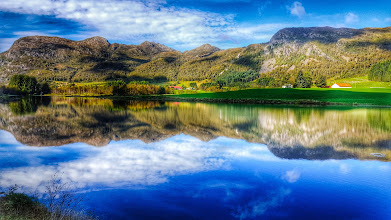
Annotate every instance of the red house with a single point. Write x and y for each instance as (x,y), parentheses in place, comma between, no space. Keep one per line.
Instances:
(176,87)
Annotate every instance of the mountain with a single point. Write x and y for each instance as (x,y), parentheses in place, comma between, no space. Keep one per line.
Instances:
(202,51)
(53,58)
(318,51)
(320,34)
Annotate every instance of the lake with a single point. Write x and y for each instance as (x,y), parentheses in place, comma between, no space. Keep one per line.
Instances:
(179,160)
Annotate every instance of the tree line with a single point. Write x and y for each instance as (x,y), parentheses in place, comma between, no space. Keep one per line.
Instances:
(299,80)
(118,87)
(28,85)
(381,72)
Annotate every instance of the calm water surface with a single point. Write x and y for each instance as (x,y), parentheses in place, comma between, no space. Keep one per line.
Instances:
(166,160)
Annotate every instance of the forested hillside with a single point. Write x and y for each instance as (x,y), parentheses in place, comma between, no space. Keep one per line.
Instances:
(325,52)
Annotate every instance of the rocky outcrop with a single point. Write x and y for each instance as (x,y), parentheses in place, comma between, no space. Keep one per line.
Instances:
(55,48)
(321,34)
(151,48)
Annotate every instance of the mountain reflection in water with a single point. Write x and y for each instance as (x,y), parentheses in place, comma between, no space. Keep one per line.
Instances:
(168,160)
(289,132)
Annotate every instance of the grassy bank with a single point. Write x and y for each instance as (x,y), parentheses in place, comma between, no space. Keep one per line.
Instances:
(313,96)
(60,203)
(362,97)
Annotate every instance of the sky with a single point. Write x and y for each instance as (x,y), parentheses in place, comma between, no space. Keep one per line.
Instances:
(182,24)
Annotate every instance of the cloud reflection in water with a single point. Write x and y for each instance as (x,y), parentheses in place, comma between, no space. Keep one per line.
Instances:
(124,163)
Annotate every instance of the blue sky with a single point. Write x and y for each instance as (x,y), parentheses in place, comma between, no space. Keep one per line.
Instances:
(182,24)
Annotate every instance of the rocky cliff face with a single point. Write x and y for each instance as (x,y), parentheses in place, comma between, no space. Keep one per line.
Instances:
(333,52)
(55,48)
(151,48)
(320,34)
(53,58)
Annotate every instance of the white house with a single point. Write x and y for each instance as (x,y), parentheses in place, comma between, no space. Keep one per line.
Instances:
(341,85)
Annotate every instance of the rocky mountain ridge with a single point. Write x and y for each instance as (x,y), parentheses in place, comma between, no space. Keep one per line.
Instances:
(320,34)
(333,52)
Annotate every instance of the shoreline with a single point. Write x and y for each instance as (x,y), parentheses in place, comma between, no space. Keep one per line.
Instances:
(276,102)
(179,98)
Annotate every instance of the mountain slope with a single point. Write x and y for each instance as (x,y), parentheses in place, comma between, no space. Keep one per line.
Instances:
(53,58)
(331,52)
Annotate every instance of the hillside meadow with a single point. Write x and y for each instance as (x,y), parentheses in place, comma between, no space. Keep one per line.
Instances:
(362,97)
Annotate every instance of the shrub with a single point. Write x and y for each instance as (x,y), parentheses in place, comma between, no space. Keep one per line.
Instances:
(59,202)
(21,206)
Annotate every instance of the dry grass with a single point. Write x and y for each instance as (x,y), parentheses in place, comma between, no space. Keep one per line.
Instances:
(60,202)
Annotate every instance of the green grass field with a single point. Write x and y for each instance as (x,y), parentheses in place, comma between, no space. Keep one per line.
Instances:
(373,97)
(361,82)
(378,95)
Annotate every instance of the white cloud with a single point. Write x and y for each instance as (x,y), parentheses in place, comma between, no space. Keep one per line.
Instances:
(7,138)
(345,169)
(129,20)
(351,18)
(292,176)
(130,162)
(135,20)
(297,9)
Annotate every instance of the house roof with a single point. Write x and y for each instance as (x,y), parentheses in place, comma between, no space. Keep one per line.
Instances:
(176,87)
(343,85)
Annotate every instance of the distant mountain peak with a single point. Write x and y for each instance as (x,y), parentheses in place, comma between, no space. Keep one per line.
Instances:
(208,46)
(36,46)
(202,51)
(36,41)
(321,34)
(96,41)
(154,48)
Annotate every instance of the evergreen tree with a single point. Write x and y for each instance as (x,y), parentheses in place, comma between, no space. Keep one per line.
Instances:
(303,81)
(25,84)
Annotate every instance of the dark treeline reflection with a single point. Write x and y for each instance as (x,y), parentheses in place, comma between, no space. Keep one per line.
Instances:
(28,104)
(289,132)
